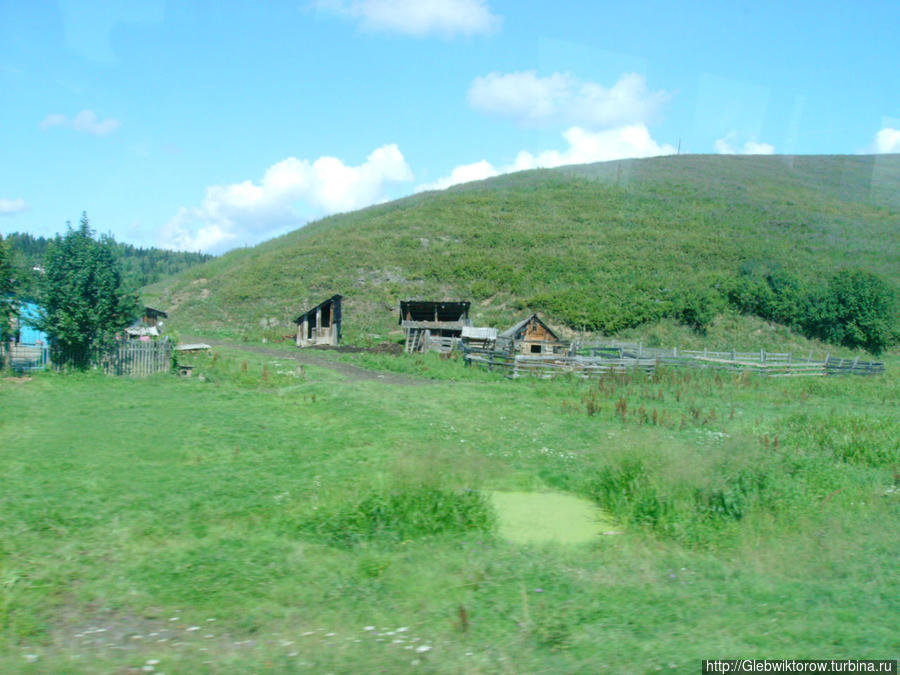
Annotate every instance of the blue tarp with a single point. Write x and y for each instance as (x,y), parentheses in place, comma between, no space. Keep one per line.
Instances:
(28,334)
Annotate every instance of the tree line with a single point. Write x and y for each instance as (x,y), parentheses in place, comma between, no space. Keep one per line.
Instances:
(139,266)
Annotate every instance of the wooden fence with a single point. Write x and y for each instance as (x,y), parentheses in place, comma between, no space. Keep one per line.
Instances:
(22,358)
(596,360)
(131,357)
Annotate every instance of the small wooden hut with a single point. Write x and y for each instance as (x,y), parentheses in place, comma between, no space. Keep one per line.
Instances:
(147,326)
(152,316)
(432,324)
(320,325)
(531,336)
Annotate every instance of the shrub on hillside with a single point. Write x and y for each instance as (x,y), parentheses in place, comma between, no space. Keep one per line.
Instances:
(855,311)
(774,294)
(697,307)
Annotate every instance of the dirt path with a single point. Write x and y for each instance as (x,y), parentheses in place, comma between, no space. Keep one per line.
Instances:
(310,357)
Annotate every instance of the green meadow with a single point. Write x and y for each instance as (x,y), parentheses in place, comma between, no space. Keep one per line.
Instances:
(261,516)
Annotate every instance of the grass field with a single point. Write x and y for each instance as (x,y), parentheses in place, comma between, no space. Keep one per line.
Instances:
(265,518)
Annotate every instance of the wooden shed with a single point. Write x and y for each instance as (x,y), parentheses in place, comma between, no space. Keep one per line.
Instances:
(430,324)
(477,337)
(320,325)
(531,336)
(151,316)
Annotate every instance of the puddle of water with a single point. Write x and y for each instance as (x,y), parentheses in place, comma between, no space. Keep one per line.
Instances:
(549,517)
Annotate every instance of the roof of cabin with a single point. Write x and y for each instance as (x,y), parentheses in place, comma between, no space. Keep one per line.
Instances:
(512,331)
(154,313)
(430,310)
(479,333)
(334,299)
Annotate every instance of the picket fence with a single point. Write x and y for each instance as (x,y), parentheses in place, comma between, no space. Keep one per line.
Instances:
(132,357)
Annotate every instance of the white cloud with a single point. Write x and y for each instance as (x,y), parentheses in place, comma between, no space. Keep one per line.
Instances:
(583,147)
(248,212)
(887,140)
(417,17)
(11,206)
(85,122)
(561,98)
(466,173)
(724,146)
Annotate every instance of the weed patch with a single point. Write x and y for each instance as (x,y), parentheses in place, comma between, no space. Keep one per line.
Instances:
(391,516)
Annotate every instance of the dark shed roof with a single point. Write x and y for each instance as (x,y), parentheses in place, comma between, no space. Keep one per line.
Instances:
(428,310)
(152,313)
(335,315)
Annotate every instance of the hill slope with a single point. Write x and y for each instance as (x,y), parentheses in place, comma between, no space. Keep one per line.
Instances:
(606,246)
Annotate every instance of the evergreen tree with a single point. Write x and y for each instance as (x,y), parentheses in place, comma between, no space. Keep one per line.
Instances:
(84,304)
(7,297)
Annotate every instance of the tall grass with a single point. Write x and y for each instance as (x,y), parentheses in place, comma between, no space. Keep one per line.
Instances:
(283,514)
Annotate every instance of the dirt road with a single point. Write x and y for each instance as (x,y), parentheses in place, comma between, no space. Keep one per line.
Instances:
(310,357)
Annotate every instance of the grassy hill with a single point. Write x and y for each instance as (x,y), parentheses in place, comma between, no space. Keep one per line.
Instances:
(607,246)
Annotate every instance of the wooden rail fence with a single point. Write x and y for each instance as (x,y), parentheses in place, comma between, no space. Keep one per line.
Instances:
(596,360)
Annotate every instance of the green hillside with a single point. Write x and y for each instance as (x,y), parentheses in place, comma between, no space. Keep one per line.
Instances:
(607,246)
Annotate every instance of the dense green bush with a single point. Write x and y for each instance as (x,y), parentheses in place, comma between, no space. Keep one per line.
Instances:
(697,307)
(854,309)
(401,514)
(695,508)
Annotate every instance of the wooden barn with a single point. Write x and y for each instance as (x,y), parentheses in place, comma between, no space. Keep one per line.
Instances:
(532,336)
(320,325)
(431,324)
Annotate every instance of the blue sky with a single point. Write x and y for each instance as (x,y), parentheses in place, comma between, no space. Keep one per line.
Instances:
(210,125)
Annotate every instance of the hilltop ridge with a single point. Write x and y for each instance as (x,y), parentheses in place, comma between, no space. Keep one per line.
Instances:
(605,246)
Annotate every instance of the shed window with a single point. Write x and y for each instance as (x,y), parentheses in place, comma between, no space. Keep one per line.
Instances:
(535,349)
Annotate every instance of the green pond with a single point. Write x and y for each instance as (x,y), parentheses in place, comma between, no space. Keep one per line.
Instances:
(549,517)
